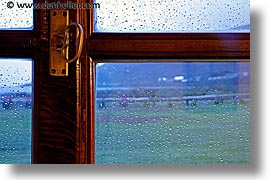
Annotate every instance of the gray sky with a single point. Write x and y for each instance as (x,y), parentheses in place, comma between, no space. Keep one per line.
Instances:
(14,72)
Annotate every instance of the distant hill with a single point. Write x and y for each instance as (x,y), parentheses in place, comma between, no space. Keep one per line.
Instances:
(171,74)
(25,88)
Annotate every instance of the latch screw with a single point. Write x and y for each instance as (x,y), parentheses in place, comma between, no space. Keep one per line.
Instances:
(63,71)
(64,13)
(53,71)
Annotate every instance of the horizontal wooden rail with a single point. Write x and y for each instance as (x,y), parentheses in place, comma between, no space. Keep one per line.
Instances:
(165,45)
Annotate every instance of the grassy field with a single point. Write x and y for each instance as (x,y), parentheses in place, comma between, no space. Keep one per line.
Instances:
(173,134)
(141,134)
(15,136)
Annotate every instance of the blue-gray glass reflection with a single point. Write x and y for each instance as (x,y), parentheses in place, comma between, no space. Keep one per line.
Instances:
(172,113)
(173,16)
(15,111)
(16,15)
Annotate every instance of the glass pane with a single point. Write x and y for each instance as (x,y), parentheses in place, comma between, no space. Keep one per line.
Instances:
(172,113)
(15,111)
(172,16)
(14,14)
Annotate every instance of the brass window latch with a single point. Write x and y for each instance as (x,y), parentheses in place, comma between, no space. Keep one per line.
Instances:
(59,42)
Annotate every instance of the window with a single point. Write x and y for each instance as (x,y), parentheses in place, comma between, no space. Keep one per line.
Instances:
(15,111)
(172,113)
(53,124)
(170,87)
(16,82)
(173,16)
(130,40)
(15,18)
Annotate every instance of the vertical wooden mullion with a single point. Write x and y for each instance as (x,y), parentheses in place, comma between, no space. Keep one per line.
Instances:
(92,92)
(85,142)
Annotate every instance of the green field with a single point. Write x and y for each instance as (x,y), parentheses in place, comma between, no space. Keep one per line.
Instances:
(15,136)
(171,133)
(164,133)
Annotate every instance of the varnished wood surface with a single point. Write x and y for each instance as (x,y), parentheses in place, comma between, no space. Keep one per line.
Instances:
(54,128)
(84,140)
(63,122)
(57,132)
(165,45)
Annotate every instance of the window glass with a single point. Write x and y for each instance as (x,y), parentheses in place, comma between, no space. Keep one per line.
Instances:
(172,16)
(172,113)
(16,14)
(15,111)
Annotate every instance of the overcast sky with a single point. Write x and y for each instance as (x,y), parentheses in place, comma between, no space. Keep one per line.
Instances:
(15,72)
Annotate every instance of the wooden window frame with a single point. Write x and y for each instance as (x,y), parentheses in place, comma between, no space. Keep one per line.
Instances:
(21,43)
(161,47)
(154,47)
(169,45)
(54,124)
(115,47)
(26,44)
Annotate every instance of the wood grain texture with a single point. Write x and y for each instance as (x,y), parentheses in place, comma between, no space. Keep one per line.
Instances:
(21,43)
(54,98)
(164,45)
(63,118)
(54,128)
(84,143)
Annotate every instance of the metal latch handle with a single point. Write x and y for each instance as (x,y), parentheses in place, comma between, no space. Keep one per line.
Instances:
(79,42)
(60,27)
